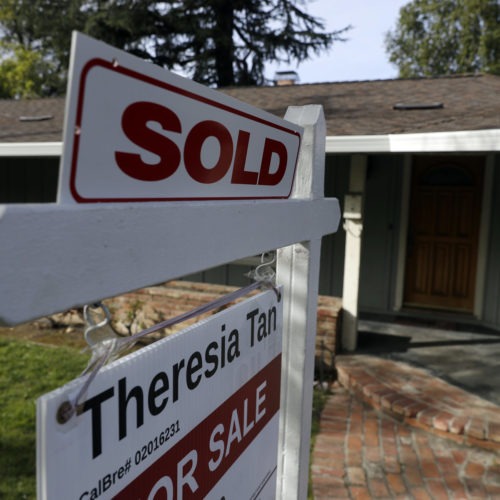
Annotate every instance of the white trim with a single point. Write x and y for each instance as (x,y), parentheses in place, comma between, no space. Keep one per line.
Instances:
(469,140)
(357,144)
(353,226)
(24,149)
(475,140)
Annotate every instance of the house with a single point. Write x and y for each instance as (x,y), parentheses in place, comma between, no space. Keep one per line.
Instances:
(415,164)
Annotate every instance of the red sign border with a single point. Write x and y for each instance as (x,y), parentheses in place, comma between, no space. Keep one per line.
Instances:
(113,66)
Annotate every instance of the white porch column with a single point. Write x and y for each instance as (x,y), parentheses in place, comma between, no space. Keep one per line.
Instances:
(353,225)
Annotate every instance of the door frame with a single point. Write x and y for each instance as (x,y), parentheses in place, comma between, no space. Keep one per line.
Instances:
(483,239)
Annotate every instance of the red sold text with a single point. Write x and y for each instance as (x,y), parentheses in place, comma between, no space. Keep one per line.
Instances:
(186,147)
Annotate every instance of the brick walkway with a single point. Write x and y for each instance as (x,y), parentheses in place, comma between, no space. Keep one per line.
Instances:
(421,399)
(366,449)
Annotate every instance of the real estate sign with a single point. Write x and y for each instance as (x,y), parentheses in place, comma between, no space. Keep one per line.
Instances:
(194,415)
(137,132)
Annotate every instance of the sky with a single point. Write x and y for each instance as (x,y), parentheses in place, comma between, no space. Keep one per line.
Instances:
(362,56)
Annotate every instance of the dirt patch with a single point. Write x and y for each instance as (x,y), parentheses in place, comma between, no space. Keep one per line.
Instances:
(67,336)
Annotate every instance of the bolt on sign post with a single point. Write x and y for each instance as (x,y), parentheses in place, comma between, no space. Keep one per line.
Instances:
(160,178)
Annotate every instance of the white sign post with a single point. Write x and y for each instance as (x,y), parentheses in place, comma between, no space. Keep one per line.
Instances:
(105,237)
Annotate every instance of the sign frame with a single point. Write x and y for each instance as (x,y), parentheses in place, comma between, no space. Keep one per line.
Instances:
(66,243)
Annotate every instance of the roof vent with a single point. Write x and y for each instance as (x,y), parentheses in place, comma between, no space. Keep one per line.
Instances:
(282,78)
(40,118)
(402,106)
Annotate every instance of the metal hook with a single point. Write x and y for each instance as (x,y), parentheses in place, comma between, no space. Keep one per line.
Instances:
(265,274)
(92,325)
(264,271)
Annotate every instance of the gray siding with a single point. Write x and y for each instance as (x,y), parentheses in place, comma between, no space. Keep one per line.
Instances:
(28,180)
(231,274)
(332,248)
(35,180)
(492,285)
(380,239)
(333,245)
(380,232)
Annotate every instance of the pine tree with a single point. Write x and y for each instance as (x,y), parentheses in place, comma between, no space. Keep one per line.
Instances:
(227,42)
(216,42)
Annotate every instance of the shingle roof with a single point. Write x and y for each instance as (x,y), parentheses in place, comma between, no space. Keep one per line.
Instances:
(31,120)
(351,108)
(366,108)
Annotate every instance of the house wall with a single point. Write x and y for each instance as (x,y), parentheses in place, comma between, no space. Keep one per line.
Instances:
(231,275)
(491,306)
(382,226)
(333,245)
(34,180)
(381,232)
(28,180)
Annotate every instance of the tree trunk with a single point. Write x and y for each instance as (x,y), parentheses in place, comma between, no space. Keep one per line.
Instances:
(223,41)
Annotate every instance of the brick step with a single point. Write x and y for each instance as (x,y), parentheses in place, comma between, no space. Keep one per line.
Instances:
(415,396)
(152,305)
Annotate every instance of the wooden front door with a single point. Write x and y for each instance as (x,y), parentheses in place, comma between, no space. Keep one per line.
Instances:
(443,233)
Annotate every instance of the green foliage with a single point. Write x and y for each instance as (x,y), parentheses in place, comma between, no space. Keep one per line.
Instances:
(217,42)
(34,42)
(24,73)
(227,42)
(27,371)
(442,37)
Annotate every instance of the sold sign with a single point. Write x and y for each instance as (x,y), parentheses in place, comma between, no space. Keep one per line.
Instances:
(136,132)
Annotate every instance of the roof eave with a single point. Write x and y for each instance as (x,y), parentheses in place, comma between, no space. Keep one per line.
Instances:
(471,140)
(25,149)
(462,141)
